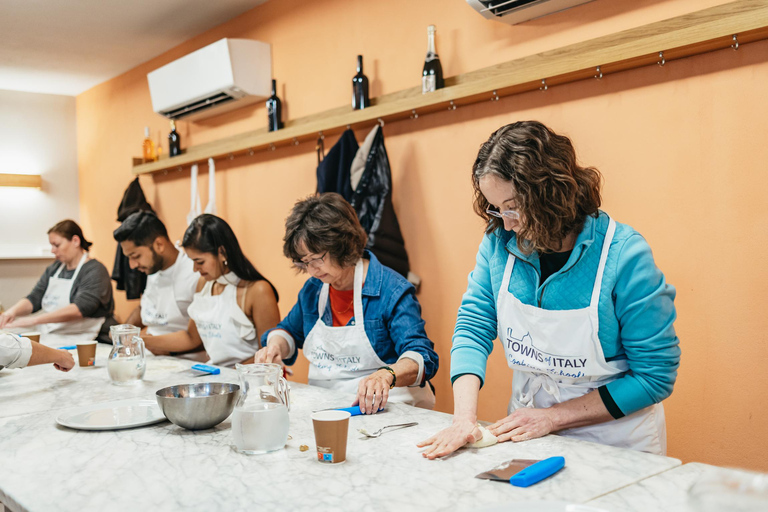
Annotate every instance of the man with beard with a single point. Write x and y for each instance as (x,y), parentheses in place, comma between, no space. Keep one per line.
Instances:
(171,281)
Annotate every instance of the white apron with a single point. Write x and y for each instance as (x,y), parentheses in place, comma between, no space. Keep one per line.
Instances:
(57,296)
(228,334)
(194,199)
(557,356)
(159,309)
(340,357)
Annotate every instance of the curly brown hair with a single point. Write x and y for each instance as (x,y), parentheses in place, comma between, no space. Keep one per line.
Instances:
(553,193)
(324,223)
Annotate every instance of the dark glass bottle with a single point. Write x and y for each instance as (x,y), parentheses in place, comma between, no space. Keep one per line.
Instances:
(360,98)
(274,110)
(174,141)
(432,75)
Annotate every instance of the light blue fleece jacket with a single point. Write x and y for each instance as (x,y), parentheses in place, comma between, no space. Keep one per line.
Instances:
(636,308)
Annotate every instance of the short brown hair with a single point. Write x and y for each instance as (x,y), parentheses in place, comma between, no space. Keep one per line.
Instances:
(325,223)
(553,193)
(68,229)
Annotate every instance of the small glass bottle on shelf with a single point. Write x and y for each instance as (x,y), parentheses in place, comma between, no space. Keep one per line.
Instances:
(360,98)
(432,74)
(274,110)
(148,148)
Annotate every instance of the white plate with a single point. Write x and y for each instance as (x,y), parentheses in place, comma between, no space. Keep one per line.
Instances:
(112,415)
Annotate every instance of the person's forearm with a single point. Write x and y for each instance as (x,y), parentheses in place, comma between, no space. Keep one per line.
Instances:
(179,341)
(584,410)
(22,308)
(406,370)
(465,392)
(68,313)
(135,317)
(42,354)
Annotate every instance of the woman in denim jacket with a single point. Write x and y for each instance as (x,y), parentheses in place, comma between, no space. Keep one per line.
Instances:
(357,321)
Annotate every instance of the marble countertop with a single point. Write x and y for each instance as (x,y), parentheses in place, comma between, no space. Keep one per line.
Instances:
(693,487)
(167,468)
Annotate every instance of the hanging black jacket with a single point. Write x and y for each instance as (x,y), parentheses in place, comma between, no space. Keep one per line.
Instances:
(333,171)
(130,280)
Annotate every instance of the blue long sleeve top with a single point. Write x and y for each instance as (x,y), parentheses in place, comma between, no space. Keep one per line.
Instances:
(636,308)
(391,312)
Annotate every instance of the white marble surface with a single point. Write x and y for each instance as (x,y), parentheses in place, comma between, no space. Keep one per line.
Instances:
(164,467)
(672,491)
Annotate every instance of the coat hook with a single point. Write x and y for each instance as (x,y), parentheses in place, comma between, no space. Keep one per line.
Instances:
(414,115)
(271,147)
(348,127)
(231,156)
(295,141)
(599,74)
(381,123)
(320,136)
(495,97)
(250,152)
(452,106)
(544,85)
(735,44)
(165,172)
(662,61)
(178,169)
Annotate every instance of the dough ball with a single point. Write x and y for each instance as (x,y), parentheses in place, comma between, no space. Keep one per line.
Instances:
(488,439)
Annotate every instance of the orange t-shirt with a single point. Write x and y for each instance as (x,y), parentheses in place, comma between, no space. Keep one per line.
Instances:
(342,306)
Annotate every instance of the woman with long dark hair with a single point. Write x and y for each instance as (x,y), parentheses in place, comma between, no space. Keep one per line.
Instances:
(234,304)
(583,314)
(73,296)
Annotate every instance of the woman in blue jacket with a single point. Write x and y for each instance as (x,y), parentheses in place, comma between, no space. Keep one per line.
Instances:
(584,316)
(358,322)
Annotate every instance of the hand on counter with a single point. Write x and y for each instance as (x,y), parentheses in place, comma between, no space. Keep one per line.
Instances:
(65,363)
(447,441)
(7,318)
(524,424)
(22,322)
(373,392)
(269,354)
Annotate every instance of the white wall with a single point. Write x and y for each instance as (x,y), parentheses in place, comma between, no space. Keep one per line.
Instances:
(37,136)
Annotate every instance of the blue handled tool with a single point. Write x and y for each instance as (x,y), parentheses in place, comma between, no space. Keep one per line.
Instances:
(524,472)
(354,411)
(68,347)
(538,472)
(206,369)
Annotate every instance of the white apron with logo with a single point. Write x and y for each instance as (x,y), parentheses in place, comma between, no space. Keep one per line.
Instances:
(340,357)
(227,333)
(159,309)
(557,356)
(57,296)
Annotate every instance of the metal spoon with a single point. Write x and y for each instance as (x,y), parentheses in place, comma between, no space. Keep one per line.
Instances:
(381,430)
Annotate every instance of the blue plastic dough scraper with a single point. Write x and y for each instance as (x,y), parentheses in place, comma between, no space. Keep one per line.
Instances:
(524,472)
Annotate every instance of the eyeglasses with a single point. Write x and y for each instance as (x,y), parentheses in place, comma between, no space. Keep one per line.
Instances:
(314,262)
(506,214)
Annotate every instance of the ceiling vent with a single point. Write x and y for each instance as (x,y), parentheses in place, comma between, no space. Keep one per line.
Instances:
(518,11)
(222,76)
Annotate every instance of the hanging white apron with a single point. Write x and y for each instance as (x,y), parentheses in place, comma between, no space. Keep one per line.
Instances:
(228,334)
(340,357)
(211,206)
(159,308)
(557,356)
(57,296)
(194,196)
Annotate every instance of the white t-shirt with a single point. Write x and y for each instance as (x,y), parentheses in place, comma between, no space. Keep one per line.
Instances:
(167,297)
(15,351)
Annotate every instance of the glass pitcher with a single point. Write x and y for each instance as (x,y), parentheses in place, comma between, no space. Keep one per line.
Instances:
(260,419)
(126,364)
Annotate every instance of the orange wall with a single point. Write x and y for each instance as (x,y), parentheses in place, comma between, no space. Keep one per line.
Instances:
(682,149)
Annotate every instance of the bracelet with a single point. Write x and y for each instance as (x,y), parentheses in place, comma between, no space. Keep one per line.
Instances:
(394,376)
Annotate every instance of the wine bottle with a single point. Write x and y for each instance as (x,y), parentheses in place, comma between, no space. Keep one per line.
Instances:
(360,98)
(174,141)
(274,110)
(148,148)
(432,75)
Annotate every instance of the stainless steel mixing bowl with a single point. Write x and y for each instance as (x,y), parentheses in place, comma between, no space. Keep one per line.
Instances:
(198,406)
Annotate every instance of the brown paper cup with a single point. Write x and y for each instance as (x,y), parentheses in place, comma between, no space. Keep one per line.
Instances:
(331,429)
(34,336)
(86,353)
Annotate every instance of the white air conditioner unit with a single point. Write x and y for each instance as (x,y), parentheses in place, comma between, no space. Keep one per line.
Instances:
(222,76)
(518,11)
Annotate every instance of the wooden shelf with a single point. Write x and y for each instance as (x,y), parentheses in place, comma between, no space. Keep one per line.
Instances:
(683,36)
(21,180)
